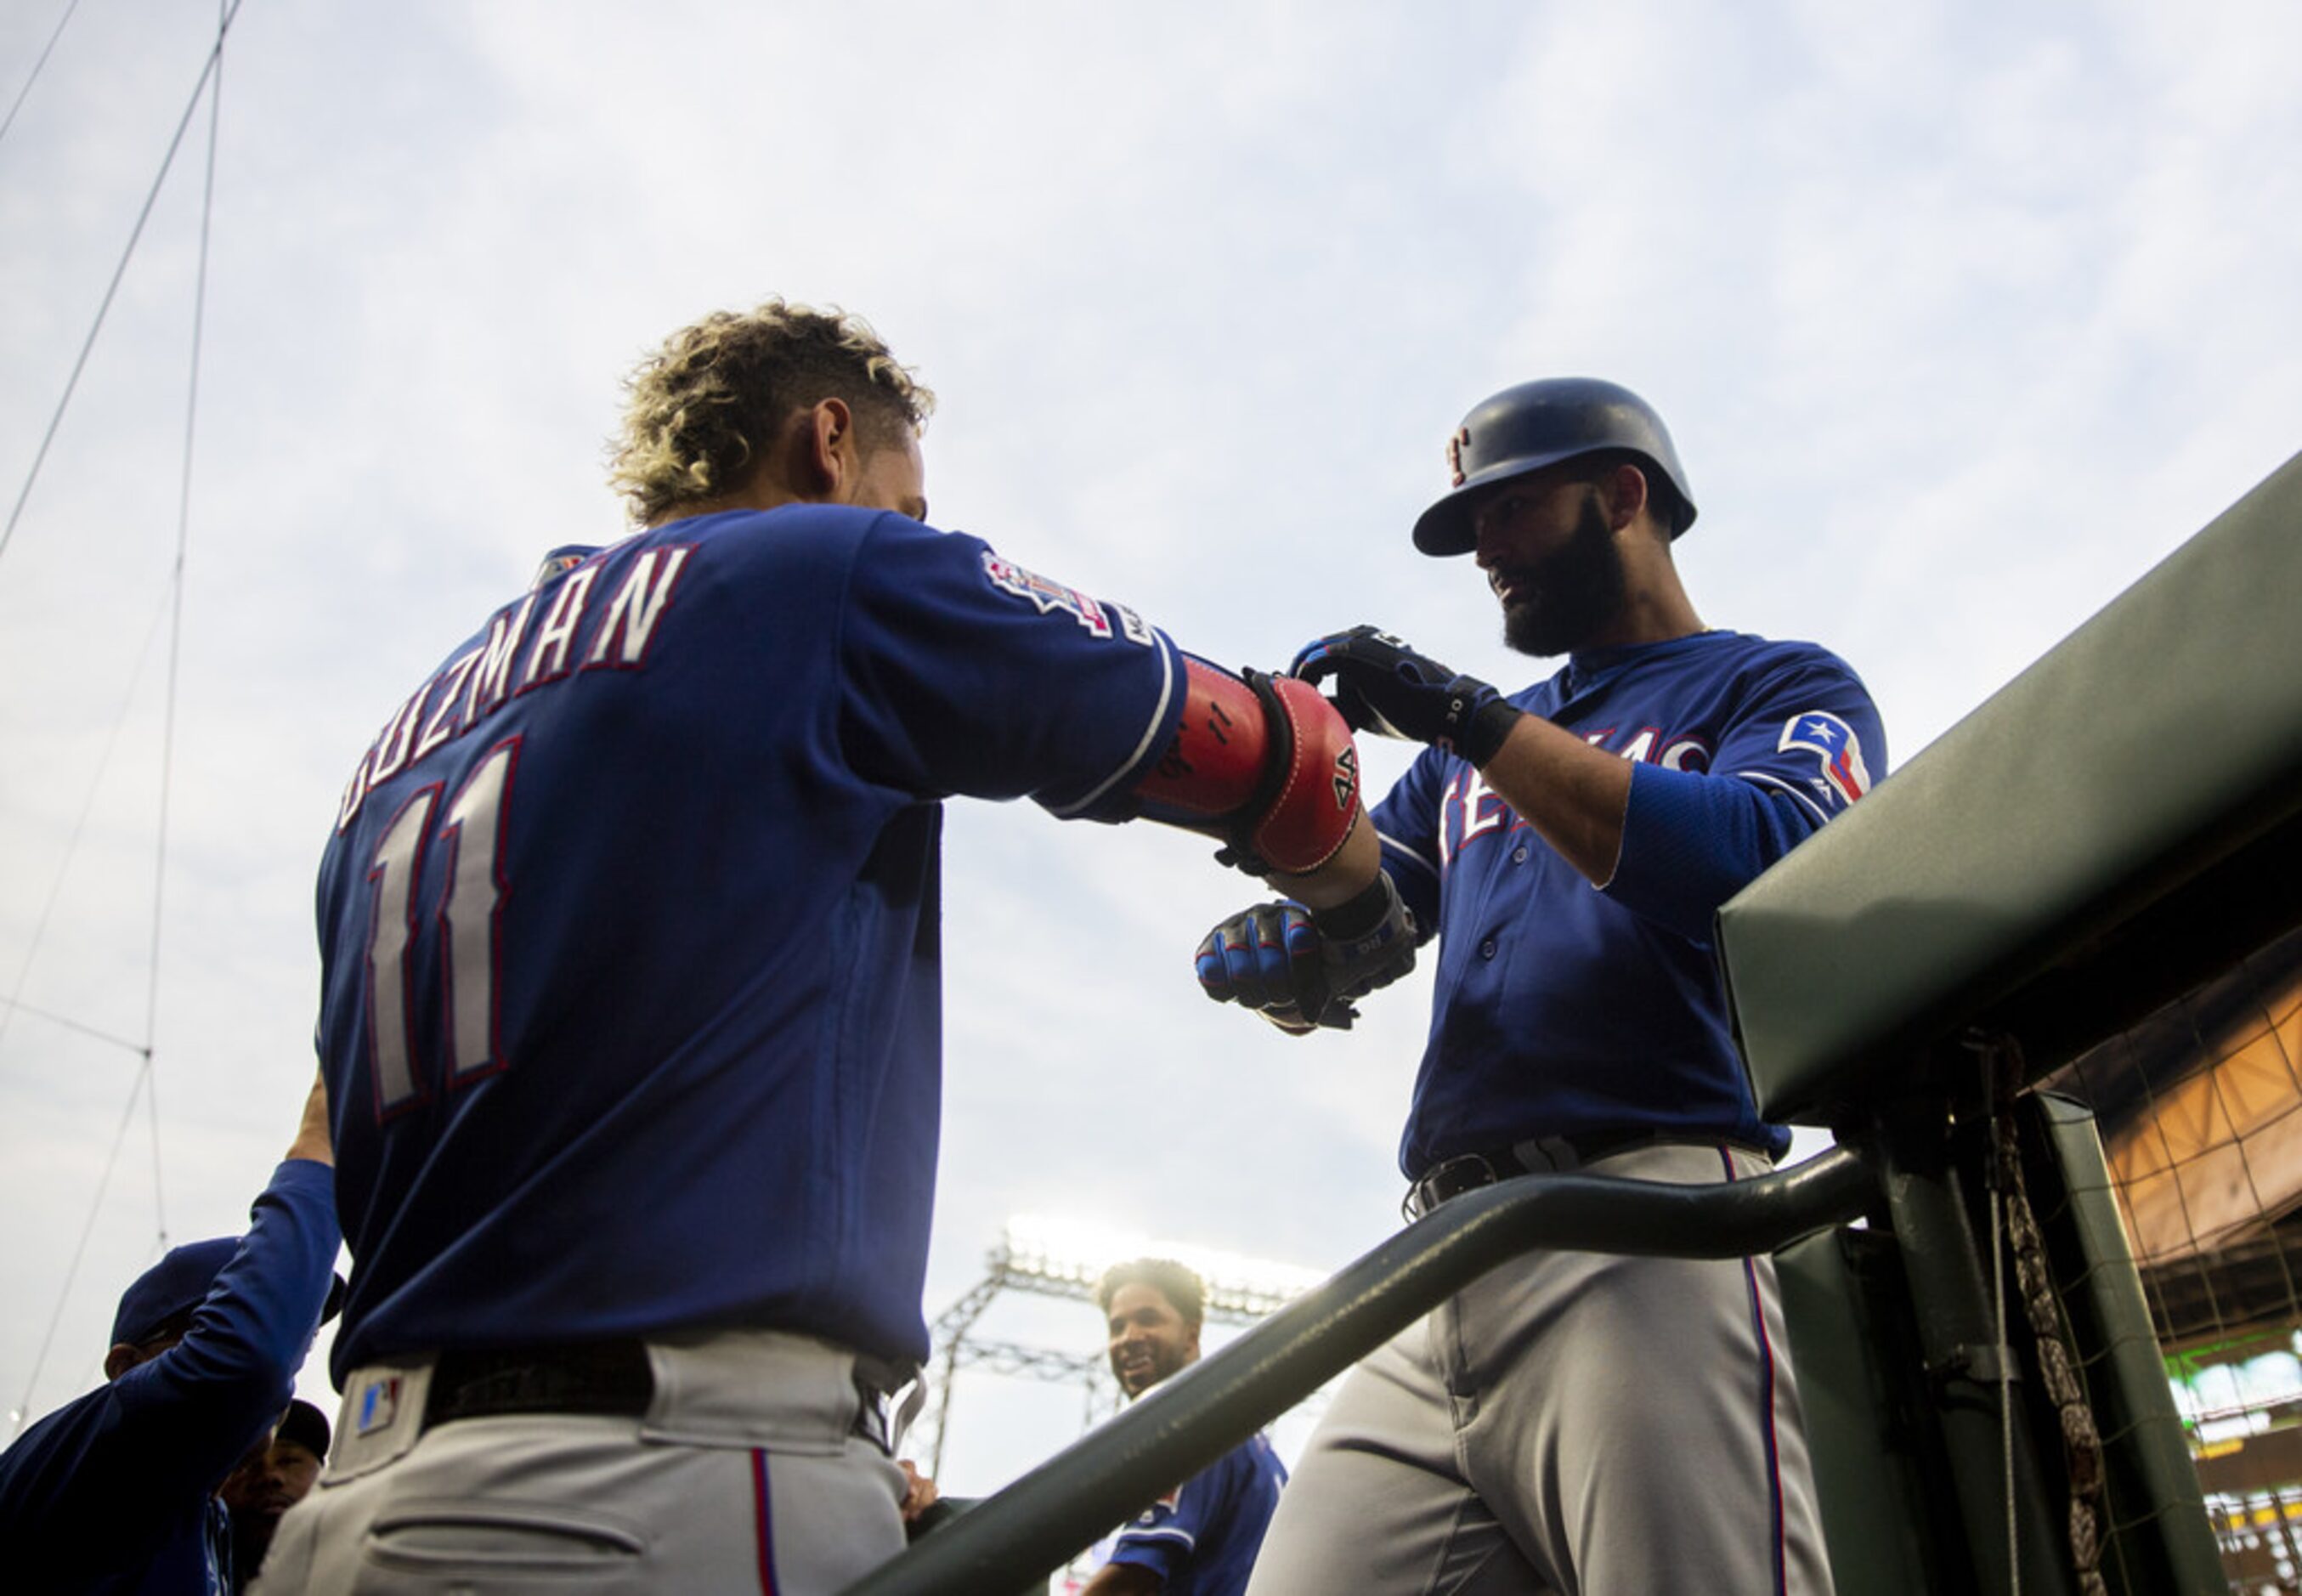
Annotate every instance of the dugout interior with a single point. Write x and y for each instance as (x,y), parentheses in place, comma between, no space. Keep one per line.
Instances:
(2089,890)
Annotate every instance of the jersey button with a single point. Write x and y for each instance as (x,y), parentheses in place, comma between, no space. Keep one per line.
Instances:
(1487,948)
(1518,855)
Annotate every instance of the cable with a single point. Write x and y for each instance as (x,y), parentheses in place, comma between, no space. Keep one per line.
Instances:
(9,121)
(71,849)
(176,624)
(215,58)
(146,1085)
(122,1043)
(79,1252)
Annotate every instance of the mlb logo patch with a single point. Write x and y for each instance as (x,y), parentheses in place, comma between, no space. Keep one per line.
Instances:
(1834,743)
(379,1405)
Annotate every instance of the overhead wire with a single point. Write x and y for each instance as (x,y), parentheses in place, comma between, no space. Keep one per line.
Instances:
(176,632)
(14,1000)
(80,1251)
(87,346)
(146,1086)
(33,76)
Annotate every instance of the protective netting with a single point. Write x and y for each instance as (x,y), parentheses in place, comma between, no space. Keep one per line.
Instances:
(2200,1112)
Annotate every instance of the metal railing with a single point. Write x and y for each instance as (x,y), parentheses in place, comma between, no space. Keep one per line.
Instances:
(1038,1523)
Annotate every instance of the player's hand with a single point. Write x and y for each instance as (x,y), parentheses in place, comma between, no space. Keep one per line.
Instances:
(1299,968)
(1382,685)
(919,1491)
(1270,959)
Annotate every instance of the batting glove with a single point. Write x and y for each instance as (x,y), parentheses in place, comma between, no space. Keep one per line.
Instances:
(1267,959)
(1383,686)
(1299,968)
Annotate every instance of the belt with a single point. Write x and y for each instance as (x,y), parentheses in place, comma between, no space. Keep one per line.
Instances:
(595,1377)
(613,1378)
(1541,1155)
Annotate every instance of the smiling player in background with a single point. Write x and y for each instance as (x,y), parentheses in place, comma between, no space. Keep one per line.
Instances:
(1200,1538)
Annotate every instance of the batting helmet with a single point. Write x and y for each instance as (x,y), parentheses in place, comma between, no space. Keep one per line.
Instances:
(1524,429)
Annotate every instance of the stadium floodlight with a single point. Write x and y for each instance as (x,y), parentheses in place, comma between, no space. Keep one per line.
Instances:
(1065,1257)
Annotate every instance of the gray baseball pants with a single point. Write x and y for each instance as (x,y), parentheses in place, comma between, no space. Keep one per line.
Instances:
(1573,1423)
(748,1472)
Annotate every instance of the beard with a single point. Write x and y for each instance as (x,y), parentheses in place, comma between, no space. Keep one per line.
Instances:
(1570,597)
(1166,1362)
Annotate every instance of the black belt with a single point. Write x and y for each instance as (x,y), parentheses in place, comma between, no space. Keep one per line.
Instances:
(596,1377)
(1545,1155)
(599,1377)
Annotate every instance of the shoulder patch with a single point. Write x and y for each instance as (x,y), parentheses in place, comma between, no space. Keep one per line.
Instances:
(1047,595)
(1834,743)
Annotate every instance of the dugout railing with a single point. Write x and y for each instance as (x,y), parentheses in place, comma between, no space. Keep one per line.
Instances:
(2119,828)
(1035,1525)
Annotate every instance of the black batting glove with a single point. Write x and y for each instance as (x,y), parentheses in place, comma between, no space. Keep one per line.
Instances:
(1300,968)
(1268,959)
(1383,686)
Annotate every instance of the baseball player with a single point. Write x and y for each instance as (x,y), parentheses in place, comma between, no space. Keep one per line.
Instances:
(1572,1423)
(628,928)
(1200,1538)
(274,1477)
(118,1490)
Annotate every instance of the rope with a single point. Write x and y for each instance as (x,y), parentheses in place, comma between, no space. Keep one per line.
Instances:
(14,1000)
(122,1043)
(79,1252)
(176,619)
(147,1083)
(34,75)
(40,458)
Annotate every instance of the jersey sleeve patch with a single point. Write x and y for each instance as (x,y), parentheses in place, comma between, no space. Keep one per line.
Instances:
(1836,747)
(1048,596)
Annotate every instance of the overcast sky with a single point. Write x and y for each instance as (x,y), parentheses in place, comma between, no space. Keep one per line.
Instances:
(1962,316)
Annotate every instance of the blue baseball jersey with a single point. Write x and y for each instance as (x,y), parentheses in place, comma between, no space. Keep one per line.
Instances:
(1561,1009)
(629,926)
(114,1492)
(1201,1538)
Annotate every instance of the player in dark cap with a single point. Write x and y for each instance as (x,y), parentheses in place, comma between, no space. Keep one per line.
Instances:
(273,1478)
(117,1491)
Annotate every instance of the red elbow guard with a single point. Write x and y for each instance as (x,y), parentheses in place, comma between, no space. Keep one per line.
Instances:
(1266,761)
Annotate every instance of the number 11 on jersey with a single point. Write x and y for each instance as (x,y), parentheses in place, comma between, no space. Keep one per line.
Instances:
(467,924)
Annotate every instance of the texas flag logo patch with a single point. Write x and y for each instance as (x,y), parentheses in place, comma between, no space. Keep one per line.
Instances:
(1833,742)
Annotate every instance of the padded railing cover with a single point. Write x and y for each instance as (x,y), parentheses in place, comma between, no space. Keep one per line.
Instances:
(2156,739)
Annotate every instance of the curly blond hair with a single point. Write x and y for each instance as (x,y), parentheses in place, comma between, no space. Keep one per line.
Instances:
(698,411)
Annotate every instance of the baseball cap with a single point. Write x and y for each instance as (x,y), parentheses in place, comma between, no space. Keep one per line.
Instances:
(306,1427)
(182,1280)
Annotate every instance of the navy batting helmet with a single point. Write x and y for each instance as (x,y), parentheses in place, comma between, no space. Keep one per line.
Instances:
(1524,429)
